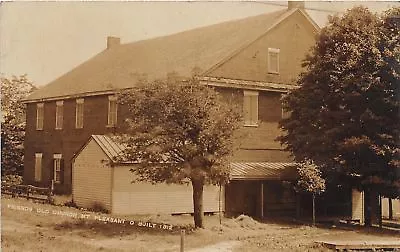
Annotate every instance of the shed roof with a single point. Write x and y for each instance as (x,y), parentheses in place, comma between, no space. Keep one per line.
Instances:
(263,171)
(123,66)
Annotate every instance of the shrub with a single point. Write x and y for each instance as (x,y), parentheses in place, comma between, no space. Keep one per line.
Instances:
(11,180)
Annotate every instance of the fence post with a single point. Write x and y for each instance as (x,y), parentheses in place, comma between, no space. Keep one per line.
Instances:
(28,189)
(50,193)
(182,240)
(52,187)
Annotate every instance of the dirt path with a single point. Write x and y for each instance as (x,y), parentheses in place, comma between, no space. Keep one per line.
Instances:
(225,246)
(34,231)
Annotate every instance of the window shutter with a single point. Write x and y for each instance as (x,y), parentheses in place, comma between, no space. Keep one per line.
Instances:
(247,109)
(112,111)
(254,110)
(59,114)
(39,116)
(38,166)
(250,108)
(273,60)
(79,113)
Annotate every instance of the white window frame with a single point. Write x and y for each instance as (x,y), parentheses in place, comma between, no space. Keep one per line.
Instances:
(57,168)
(59,114)
(79,112)
(276,52)
(250,108)
(39,116)
(38,166)
(112,115)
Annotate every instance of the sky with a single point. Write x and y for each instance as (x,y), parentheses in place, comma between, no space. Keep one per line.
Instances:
(47,39)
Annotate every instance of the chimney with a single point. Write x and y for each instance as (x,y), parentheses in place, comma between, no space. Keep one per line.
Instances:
(112,42)
(295,5)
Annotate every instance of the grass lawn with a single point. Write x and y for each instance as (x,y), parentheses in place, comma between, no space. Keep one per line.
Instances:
(28,226)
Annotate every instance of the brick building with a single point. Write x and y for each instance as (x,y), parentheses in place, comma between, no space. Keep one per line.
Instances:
(256,58)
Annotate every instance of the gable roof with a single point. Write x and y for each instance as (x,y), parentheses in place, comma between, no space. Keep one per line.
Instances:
(109,147)
(122,66)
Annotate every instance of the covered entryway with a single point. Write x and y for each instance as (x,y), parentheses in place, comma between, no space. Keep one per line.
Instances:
(261,190)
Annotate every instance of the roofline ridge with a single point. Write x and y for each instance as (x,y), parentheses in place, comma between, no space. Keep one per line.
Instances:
(199,28)
(283,16)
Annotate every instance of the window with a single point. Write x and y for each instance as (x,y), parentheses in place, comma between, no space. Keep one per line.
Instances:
(38,166)
(250,108)
(59,114)
(79,114)
(273,60)
(112,111)
(285,114)
(57,168)
(39,116)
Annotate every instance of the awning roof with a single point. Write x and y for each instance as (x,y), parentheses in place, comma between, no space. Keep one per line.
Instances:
(263,171)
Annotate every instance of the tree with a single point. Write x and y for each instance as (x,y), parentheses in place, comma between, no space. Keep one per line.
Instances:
(180,132)
(310,181)
(13,123)
(345,114)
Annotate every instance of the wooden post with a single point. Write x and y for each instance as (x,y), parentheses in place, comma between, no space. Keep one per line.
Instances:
(52,187)
(313,209)
(262,200)
(380,210)
(219,205)
(28,189)
(182,240)
(390,209)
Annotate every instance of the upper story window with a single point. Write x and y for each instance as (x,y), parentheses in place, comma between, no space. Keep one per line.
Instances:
(250,108)
(59,114)
(38,166)
(112,111)
(273,60)
(57,168)
(39,116)
(79,113)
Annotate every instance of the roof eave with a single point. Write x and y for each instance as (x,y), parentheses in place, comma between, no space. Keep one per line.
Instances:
(246,84)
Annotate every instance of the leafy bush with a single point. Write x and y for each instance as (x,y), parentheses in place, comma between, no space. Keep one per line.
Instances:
(11,180)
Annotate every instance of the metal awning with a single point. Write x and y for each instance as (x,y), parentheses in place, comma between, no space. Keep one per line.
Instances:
(263,171)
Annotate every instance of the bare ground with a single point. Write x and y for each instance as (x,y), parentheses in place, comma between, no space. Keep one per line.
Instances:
(43,231)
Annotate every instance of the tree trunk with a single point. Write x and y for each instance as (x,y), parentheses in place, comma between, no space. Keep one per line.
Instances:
(313,209)
(198,212)
(380,211)
(219,205)
(390,209)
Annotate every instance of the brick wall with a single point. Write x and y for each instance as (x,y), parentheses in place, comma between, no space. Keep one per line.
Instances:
(257,144)
(66,141)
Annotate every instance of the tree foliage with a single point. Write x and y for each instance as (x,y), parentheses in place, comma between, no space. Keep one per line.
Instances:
(180,132)
(13,123)
(310,178)
(345,114)
(310,181)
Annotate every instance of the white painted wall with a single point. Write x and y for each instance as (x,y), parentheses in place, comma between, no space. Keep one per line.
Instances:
(395,205)
(146,198)
(357,205)
(91,177)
